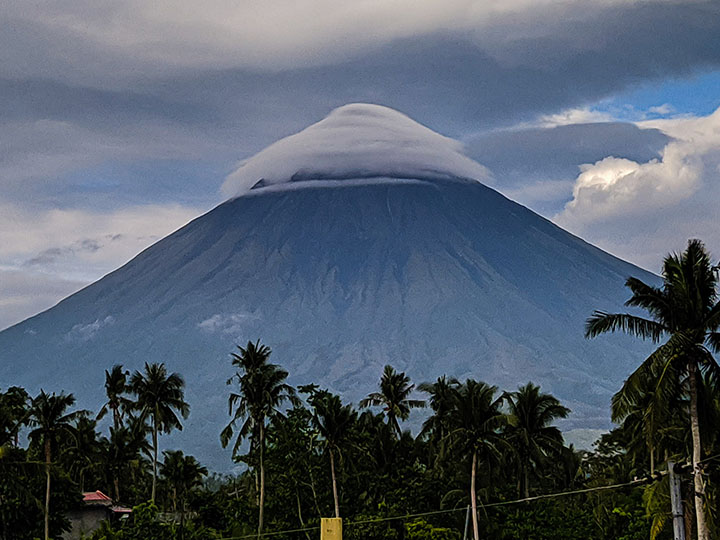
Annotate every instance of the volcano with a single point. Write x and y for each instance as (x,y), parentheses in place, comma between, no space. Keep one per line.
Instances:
(365,239)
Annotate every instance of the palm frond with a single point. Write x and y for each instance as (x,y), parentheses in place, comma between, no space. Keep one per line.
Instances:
(601,322)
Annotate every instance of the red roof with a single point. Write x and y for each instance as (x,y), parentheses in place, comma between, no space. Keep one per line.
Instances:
(94,497)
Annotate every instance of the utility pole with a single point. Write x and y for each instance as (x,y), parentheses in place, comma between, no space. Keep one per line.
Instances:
(676,502)
(467,522)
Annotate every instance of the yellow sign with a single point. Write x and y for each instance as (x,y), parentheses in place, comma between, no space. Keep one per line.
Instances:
(331,529)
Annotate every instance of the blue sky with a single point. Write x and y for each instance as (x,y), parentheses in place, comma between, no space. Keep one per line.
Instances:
(119,121)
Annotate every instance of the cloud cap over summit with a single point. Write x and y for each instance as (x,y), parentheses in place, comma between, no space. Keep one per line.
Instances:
(356,141)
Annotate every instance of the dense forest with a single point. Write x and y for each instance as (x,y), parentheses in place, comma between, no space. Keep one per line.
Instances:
(487,463)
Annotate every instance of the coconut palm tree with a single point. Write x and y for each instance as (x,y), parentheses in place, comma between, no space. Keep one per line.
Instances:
(441,392)
(183,474)
(116,385)
(160,398)
(685,313)
(393,397)
(530,433)
(262,392)
(334,421)
(82,451)
(49,416)
(13,414)
(475,421)
(123,448)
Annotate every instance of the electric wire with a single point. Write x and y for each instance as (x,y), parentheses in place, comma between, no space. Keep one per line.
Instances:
(632,483)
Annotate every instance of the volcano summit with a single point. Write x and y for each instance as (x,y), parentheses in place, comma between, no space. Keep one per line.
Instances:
(363,240)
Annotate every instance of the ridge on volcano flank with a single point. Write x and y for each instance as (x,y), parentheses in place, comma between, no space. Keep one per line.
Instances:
(353,143)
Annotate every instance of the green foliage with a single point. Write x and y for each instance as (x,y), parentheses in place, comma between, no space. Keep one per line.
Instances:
(145,525)
(393,397)
(381,473)
(422,530)
(547,520)
(22,493)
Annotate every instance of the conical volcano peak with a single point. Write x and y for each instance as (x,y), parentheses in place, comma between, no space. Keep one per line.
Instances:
(355,142)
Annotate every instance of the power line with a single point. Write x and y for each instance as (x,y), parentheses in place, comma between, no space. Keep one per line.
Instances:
(276,533)
(632,483)
(716,456)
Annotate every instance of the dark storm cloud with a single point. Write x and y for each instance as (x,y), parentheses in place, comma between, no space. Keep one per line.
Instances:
(86,126)
(555,152)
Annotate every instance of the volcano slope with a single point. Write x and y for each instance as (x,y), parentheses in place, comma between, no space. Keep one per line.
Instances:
(432,275)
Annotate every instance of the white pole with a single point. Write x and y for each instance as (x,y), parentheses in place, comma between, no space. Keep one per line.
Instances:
(676,503)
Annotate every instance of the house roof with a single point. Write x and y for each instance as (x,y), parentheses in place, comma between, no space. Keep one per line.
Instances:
(96,497)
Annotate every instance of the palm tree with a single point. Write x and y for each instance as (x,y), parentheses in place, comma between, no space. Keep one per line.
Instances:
(50,417)
(534,439)
(475,421)
(334,422)
(115,387)
(124,447)
(13,414)
(183,474)
(685,312)
(159,397)
(441,392)
(82,451)
(262,391)
(393,397)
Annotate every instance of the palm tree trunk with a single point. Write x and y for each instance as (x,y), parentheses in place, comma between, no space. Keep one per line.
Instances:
(116,484)
(182,520)
(299,510)
(396,426)
(702,530)
(473,499)
(116,417)
(155,453)
(526,480)
(48,457)
(262,478)
(334,484)
(652,460)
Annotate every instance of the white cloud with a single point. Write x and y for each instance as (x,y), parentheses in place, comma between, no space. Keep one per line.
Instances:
(573,116)
(357,141)
(85,332)
(80,245)
(662,110)
(227,323)
(47,255)
(24,293)
(641,211)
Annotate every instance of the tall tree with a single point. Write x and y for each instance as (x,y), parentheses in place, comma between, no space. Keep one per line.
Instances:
(475,422)
(13,414)
(261,392)
(160,397)
(685,313)
(50,417)
(333,420)
(534,439)
(81,452)
(123,448)
(394,397)
(116,386)
(441,402)
(183,474)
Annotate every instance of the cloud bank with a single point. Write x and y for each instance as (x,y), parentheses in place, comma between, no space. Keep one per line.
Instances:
(356,141)
(639,210)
